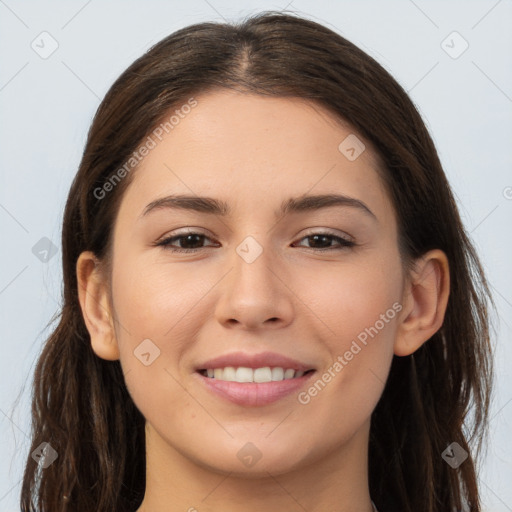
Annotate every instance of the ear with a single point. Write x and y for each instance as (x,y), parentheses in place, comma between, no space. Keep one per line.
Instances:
(93,294)
(425,299)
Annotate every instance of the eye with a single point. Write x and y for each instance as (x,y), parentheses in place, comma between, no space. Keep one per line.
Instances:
(325,238)
(191,241)
(188,242)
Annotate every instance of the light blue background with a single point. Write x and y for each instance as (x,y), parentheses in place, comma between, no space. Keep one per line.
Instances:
(46,107)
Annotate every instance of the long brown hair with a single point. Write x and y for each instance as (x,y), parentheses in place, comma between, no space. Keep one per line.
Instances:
(81,406)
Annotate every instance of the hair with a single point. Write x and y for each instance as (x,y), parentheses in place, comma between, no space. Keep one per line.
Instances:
(81,405)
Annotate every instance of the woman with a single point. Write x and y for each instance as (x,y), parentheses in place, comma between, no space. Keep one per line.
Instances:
(270,301)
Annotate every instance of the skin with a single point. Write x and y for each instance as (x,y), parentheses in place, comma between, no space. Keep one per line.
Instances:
(254,152)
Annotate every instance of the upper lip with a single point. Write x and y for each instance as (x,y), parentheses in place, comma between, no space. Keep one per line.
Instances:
(261,360)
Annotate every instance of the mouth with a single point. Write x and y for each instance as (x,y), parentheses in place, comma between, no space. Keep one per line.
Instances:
(255,387)
(261,367)
(253,380)
(243,374)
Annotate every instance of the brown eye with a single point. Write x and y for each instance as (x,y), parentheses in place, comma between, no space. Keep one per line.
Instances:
(322,242)
(188,242)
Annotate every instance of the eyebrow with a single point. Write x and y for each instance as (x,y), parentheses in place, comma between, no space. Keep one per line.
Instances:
(209,205)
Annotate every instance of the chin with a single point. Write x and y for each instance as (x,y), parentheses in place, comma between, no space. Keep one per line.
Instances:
(248,460)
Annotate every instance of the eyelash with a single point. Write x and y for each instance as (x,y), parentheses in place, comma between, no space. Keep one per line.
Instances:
(165,243)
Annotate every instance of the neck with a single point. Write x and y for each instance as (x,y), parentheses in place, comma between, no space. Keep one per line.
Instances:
(337,480)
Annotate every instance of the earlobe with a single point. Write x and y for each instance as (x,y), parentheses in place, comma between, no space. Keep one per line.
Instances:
(426,299)
(95,306)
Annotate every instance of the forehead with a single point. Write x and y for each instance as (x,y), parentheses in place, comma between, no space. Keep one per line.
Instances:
(254,151)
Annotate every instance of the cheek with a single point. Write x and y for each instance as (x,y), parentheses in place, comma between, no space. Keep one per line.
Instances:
(351,298)
(153,300)
(358,307)
(153,307)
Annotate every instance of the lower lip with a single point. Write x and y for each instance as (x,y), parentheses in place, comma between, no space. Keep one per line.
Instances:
(254,394)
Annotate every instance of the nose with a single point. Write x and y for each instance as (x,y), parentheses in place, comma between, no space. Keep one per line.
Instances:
(255,294)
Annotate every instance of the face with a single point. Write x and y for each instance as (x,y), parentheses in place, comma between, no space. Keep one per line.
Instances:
(316,288)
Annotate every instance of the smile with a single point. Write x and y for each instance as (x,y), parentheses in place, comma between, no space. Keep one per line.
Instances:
(259,375)
(251,393)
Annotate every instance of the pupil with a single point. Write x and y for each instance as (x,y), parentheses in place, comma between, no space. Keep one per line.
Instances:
(189,238)
(317,237)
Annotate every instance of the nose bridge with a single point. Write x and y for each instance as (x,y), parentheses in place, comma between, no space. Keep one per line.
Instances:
(253,292)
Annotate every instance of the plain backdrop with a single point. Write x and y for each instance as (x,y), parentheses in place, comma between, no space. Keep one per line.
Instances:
(462,84)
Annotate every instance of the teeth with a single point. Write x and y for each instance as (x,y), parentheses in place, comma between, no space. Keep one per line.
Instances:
(243,374)
(288,374)
(277,373)
(261,374)
(229,373)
